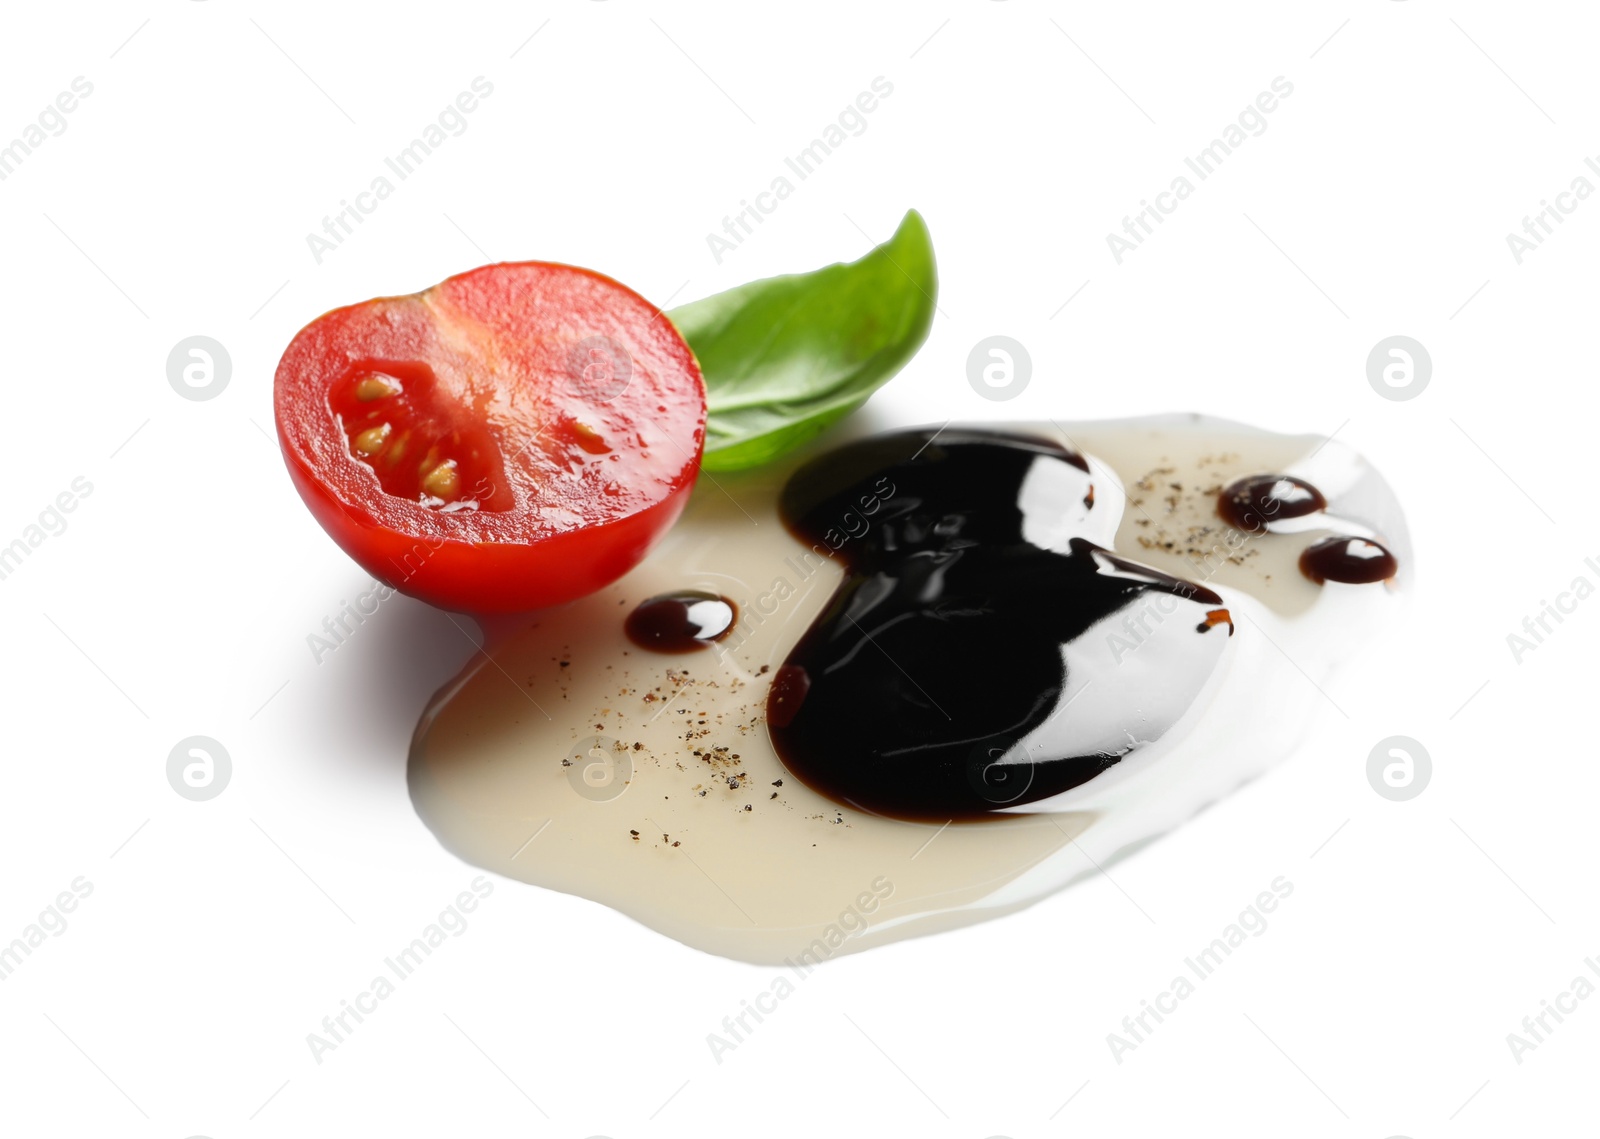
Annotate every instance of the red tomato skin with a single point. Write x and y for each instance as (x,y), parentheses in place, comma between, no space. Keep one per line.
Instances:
(494,561)
(468,578)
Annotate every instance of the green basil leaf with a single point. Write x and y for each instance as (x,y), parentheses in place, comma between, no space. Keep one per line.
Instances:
(786,357)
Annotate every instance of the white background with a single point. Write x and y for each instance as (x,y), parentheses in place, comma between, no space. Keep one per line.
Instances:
(178,600)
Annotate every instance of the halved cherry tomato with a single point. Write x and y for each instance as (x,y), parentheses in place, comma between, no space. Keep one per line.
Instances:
(515,437)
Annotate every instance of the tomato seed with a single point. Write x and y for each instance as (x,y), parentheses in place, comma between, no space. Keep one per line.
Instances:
(371,441)
(442,481)
(589,439)
(376,387)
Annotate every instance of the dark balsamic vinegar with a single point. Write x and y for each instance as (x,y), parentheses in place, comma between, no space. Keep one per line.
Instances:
(1354,561)
(1254,502)
(681,622)
(916,691)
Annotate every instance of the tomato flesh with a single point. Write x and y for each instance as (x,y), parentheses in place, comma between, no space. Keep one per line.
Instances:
(515,437)
(419,447)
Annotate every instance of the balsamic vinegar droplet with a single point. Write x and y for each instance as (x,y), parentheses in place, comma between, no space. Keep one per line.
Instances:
(681,622)
(1355,561)
(1256,501)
